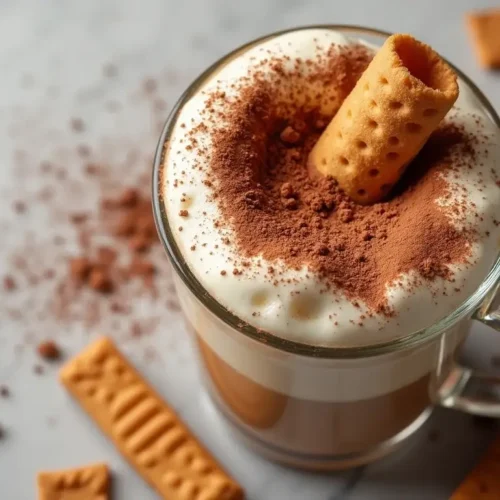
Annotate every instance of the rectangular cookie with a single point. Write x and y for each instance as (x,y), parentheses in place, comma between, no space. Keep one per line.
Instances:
(90,482)
(484,29)
(145,430)
(483,482)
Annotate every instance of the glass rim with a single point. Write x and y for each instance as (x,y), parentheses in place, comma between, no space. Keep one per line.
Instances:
(412,340)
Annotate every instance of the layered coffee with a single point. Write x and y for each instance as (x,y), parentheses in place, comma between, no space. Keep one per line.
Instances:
(293,254)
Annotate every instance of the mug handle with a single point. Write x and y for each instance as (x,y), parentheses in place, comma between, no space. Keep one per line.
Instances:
(470,390)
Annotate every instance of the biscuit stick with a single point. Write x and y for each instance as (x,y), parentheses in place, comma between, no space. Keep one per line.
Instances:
(144,428)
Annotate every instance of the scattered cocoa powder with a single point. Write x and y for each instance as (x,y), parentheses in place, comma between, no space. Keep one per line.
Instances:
(91,168)
(83,150)
(38,370)
(77,125)
(80,268)
(129,216)
(4,391)
(78,218)
(118,307)
(9,283)
(49,350)
(431,269)
(100,280)
(110,70)
(19,206)
(132,218)
(125,226)
(135,330)
(74,179)
(138,243)
(128,198)
(262,139)
(106,256)
(150,85)
(141,267)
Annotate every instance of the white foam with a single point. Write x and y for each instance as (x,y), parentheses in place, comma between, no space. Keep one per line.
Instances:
(310,316)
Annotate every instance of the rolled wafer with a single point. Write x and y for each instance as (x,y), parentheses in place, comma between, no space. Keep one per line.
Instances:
(383,123)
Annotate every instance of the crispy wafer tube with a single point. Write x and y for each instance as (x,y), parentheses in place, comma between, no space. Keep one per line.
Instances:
(383,123)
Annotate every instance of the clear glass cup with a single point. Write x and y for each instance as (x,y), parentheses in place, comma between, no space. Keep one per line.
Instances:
(320,407)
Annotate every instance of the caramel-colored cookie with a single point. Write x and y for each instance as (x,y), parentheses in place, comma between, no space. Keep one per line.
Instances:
(483,482)
(85,483)
(383,123)
(145,430)
(484,29)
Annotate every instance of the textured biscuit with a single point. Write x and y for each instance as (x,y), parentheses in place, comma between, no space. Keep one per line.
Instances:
(483,482)
(484,29)
(383,123)
(85,483)
(145,430)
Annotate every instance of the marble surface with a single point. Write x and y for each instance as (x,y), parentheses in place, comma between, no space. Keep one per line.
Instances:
(52,55)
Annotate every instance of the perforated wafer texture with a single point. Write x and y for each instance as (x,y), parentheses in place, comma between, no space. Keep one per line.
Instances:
(397,103)
(85,483)
(144,428)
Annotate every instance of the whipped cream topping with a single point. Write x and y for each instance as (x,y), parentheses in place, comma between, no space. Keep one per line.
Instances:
(312,316)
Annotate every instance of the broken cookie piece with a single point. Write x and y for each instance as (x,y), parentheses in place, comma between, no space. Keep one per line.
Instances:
(484,29)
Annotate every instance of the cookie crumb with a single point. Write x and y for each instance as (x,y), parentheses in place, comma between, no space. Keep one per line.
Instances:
(290,136)
(100,281)
(49,350)
(38,369)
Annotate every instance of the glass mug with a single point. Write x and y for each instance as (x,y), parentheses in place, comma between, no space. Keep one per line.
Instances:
(320,407)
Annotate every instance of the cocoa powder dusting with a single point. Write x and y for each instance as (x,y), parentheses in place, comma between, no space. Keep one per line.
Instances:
(258,176)
(95,264)
(49,350)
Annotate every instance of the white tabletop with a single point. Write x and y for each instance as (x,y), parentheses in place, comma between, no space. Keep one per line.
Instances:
(52,54)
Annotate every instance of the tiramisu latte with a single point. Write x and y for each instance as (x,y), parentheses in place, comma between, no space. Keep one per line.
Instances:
(314,256)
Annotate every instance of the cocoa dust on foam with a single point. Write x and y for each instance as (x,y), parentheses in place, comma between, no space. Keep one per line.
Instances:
(82,254)
(258,173)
